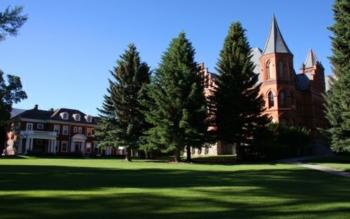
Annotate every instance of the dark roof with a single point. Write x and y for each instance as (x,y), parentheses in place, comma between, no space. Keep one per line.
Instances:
(15,112)
(275,42)
(55,115)
(311,59)
(35,114)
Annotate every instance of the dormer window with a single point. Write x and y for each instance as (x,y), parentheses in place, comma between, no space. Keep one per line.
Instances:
(76,117)
(88,118)
(64,115)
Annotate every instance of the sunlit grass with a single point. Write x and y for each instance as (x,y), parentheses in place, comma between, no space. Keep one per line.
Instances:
(85,188)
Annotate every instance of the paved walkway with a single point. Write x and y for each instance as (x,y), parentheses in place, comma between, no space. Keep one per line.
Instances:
(299,161)
(325,169)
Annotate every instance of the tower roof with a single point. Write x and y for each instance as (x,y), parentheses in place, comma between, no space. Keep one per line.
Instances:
(311,59)
(275,42)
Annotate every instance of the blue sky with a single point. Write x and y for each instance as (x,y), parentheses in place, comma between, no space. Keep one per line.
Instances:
(64,52)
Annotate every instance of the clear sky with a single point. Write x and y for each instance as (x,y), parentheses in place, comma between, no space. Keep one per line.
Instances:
(64,52)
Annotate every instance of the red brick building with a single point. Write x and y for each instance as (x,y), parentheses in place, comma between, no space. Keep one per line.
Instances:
(291,98)
(64,131)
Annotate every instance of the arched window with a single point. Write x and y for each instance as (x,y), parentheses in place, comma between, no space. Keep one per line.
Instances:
(271,101)
(281,70)
(269,70)
(282,98)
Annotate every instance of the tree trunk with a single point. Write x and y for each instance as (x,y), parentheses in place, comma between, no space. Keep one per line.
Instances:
(188,157)
(177,157)
(146,154)
(128,154)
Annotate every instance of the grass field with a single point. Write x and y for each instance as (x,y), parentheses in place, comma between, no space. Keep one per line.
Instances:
(84,188)
(340,162)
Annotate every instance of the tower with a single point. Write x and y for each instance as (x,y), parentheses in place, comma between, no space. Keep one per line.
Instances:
(278,77)
(313,71)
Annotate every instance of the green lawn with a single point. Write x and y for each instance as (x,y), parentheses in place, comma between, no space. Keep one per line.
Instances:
(340,162)
(84,188)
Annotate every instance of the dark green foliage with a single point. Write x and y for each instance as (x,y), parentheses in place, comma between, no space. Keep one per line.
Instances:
(177,109)
(122,121)
(10,21)
(337,98)
(10,92)
(238,103)
(282,142)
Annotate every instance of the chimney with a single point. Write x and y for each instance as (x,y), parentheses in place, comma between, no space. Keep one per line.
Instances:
(36,107)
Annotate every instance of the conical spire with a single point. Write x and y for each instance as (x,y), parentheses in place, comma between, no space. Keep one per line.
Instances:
(311,59)
(275,43)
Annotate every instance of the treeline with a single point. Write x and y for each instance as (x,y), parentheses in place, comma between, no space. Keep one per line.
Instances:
(166,110)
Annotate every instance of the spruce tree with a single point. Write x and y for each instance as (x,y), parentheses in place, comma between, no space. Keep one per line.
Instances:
(239,106)
(177,109)
(10,21)
(122,119)
(337,98)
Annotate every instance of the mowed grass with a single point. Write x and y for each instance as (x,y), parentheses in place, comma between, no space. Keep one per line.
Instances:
(340,162)
(93,188)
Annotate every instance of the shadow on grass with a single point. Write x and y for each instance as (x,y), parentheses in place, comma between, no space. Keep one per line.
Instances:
(208,194)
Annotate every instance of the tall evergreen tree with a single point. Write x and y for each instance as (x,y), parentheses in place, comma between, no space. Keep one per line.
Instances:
(122,122)
(337,98)
(178,107)
(239,106)
(11,19)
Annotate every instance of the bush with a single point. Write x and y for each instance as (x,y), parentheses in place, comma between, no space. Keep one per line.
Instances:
(278,141)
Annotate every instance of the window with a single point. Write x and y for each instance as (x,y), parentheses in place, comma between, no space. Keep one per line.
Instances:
(29,126)
(88,147)
(40,126)
(65,130)
(88,118)
(76,117)
(75,129)
(281,70)
(64,115)
(89,131)
(282,99)
(271,101)
(64,146)
(80,130)
(56,128)
(269,70)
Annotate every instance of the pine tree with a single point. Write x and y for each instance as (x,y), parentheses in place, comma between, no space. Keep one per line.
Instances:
(123,122)
(177,110)
(10,21)
(106,119)
(337,98)
(239,106)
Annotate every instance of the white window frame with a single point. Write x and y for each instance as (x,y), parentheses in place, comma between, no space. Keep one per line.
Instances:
(80,130)
(64,115)
(77,117)
(65,130)
(29,126)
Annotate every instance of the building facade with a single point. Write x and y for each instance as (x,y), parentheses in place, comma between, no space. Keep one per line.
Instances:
(61,131)
(291,98)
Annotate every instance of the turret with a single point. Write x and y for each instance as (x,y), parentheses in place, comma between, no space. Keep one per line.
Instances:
(277,74)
